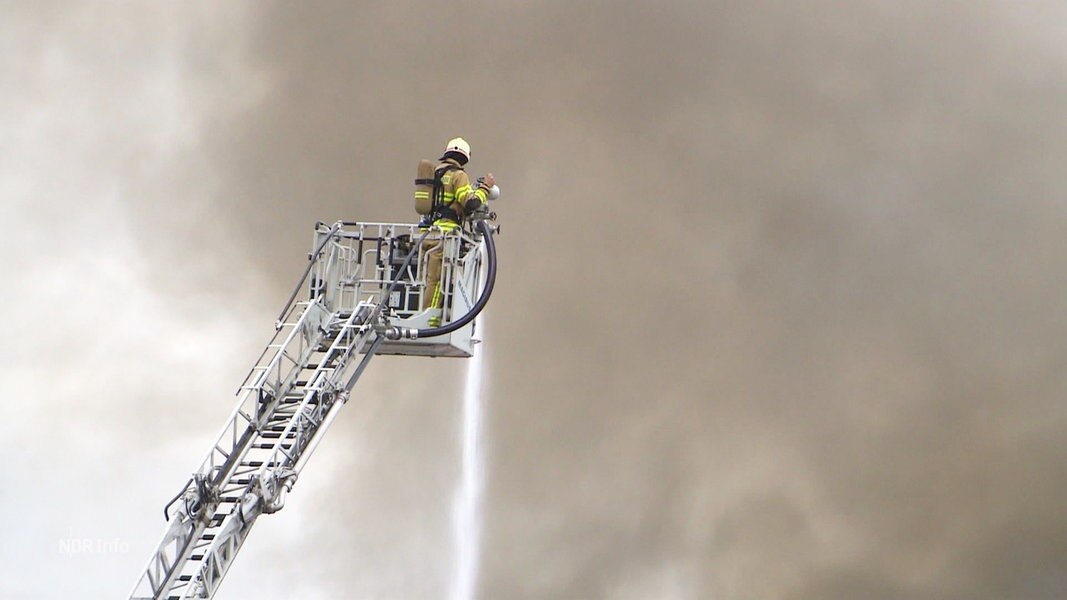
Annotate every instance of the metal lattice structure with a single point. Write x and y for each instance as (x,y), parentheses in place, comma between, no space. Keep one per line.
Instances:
(363,280)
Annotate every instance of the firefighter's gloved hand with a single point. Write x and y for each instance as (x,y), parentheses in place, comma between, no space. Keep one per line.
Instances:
(473,205)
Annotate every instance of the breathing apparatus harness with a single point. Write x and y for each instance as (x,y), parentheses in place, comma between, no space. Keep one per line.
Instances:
(439,209)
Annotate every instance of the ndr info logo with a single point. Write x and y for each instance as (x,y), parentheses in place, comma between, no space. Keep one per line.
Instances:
(76,545)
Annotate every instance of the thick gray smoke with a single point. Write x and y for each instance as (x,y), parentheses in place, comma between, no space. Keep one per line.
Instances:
(780,311)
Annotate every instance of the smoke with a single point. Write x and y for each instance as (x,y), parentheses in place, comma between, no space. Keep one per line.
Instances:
(116,352)
(779,312)
(777,306)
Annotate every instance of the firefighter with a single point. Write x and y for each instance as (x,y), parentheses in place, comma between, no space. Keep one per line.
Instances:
(454,198)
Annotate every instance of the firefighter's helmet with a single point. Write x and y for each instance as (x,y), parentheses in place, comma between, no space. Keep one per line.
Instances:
(459,145)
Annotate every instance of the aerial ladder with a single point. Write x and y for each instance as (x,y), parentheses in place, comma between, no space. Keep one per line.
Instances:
(362,292)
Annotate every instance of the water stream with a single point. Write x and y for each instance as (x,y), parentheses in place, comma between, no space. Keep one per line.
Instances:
(466,503)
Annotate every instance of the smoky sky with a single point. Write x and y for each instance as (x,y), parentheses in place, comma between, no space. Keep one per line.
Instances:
(780,311)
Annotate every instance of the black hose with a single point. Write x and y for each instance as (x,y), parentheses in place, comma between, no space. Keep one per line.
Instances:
(490,278)
(166,508)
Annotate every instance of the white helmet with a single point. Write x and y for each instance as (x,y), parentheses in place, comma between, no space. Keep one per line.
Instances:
(459,145)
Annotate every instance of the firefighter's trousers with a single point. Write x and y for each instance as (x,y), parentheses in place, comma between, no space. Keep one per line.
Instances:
(434,248)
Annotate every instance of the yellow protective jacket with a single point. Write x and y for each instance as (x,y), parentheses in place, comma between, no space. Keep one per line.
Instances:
(458,197)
